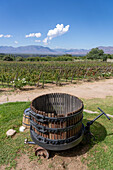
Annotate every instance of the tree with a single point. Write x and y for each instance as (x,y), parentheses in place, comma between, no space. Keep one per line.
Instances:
(7,58)
(31,59)
(95,53)
(104,57)
(109,56)
(19,58)
(1,57)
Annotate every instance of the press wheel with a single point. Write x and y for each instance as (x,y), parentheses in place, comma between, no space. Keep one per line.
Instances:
(41,152)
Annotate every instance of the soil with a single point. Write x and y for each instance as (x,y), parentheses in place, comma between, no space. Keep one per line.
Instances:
(65,160)
(87,90)
(57,162)
(71,159)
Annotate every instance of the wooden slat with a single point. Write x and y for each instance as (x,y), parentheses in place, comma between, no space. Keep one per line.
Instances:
(47,135)
(70,125)
(42,124)
(65,133)
(50,136)
(67,126)
(61,126)
(75,120)
(58,105)
(55,126)
(52,124)
(58,126)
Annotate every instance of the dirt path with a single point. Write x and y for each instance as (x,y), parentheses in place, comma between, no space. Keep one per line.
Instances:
(86,90)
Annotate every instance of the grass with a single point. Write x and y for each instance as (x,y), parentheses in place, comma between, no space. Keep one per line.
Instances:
(106,104)
(50,165)
(99,152)
(11,118)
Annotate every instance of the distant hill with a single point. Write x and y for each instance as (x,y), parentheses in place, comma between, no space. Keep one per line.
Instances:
(33,49)
(107,50)
(73,51)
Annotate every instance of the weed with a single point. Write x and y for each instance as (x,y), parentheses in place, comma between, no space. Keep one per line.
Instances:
(50,165)
(40,161)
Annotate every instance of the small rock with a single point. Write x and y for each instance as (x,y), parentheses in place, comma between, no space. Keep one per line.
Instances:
(22,128)
(10,132)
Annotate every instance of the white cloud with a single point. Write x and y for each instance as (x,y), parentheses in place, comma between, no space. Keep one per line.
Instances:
(1,35)
(57,31)
(45,41)
(37,35)
(16,42)
(7,36)
(30,35)
(37,41)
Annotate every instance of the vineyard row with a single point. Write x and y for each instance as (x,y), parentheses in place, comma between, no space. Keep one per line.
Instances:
(17,75)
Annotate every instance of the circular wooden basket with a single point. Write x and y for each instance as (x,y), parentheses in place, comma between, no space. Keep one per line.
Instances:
(56,119)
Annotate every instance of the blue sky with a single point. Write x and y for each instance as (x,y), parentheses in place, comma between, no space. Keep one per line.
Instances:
(56,23)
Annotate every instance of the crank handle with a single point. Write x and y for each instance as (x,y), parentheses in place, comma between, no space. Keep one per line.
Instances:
(104,113)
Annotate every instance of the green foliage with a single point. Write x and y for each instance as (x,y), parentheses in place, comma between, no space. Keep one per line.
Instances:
(31,59)
(66,57)
(19,74)
(18,58)
(1,56)
(95,53)
(43,59)
(19,83)
(104,57)
(8,58)
(109,56)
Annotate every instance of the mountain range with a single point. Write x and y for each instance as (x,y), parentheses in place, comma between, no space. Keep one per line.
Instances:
(33,49)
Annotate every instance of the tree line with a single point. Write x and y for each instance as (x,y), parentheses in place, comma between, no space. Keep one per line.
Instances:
(94,54)
(67,57)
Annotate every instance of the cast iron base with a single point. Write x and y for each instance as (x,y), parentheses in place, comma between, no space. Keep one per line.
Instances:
(59,147)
